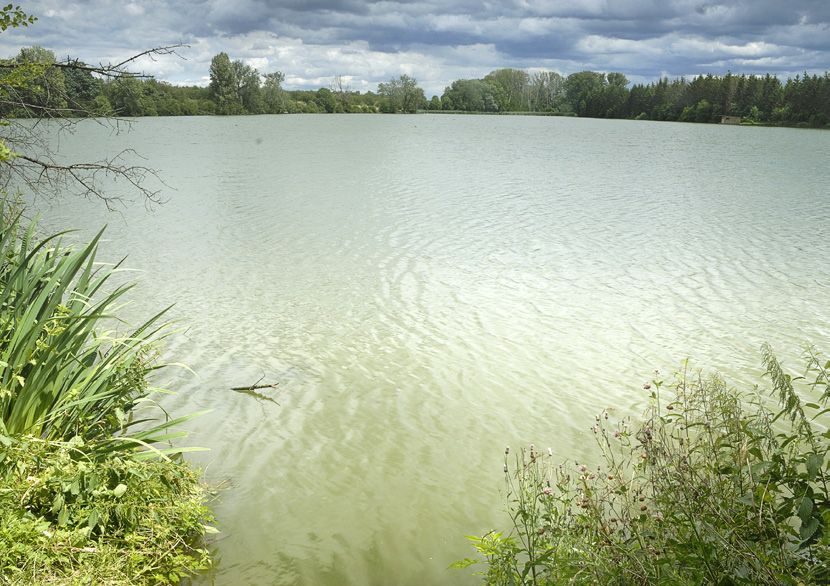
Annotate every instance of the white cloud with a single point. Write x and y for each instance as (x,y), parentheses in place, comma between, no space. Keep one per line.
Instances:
(455,23)
(437,41)
(699,46)
(134,10)
(596,44)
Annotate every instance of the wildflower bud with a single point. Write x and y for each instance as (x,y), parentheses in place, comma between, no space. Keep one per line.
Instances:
(669,407)
(596,416)
(591,476)
(644,508)
(647,386)
(507,450)
(550,452)
(617,433)
(610,477)
(644,456)
(606,415)
(583,468)
(532,447)
(505,467)
(642,498)
(657,372)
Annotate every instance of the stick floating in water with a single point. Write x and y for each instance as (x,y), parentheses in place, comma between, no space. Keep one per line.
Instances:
(254,387)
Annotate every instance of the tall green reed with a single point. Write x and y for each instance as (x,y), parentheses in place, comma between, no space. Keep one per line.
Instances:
(65,370)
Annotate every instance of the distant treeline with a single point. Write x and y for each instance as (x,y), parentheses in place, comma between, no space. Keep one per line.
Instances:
(236,88)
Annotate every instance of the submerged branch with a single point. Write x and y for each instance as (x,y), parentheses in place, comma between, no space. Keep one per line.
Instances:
(254,387)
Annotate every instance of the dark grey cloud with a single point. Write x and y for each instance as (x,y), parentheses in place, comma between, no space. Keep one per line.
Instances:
(439,41)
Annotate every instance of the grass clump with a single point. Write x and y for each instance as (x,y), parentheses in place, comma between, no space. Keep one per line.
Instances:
(710,487)
(67,518)
(91,490)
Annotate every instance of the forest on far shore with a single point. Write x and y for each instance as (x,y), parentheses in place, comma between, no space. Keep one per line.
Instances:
(238,89)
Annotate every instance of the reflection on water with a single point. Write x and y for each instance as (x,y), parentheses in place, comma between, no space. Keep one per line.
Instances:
(426,290)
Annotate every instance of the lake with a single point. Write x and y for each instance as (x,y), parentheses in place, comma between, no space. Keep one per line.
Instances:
(426,290)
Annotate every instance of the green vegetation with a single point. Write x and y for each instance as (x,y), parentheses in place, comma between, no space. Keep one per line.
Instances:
(62,375)
(803,101)
(712,487)
(67,518)
(70,89)
(89,491)
(401,95)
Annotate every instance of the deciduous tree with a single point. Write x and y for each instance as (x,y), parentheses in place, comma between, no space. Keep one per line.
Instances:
(342,91)
(546,90)
(402,93)
(272,93)
(514,85)
(224,85)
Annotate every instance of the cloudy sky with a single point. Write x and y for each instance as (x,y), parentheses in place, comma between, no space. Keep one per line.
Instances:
(437,41)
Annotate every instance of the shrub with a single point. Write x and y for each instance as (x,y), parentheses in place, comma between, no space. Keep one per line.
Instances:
(67,518)
(89,492)
(712,486)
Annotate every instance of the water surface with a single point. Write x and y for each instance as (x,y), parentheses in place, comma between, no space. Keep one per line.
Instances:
(427,290)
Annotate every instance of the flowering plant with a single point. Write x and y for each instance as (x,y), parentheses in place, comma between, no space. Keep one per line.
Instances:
(710,486)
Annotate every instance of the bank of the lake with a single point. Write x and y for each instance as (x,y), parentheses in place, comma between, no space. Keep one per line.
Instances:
(92,489)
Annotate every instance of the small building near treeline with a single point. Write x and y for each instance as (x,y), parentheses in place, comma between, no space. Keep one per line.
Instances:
(730,119)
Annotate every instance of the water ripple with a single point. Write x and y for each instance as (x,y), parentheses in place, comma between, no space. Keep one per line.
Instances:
(427,289)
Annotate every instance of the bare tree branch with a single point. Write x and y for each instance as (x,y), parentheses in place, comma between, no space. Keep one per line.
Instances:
(117,71)
(109,70)
(152,53)
(36,167)
(88,176)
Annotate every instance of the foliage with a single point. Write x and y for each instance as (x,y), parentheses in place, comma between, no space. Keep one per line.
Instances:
(35,84)
(69,89)
(62,375)
(514,85)
(67,518)
(12,16)
(88,493)
(546,91)
(402,94)
(711,487)
(473,95)
(45,88)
